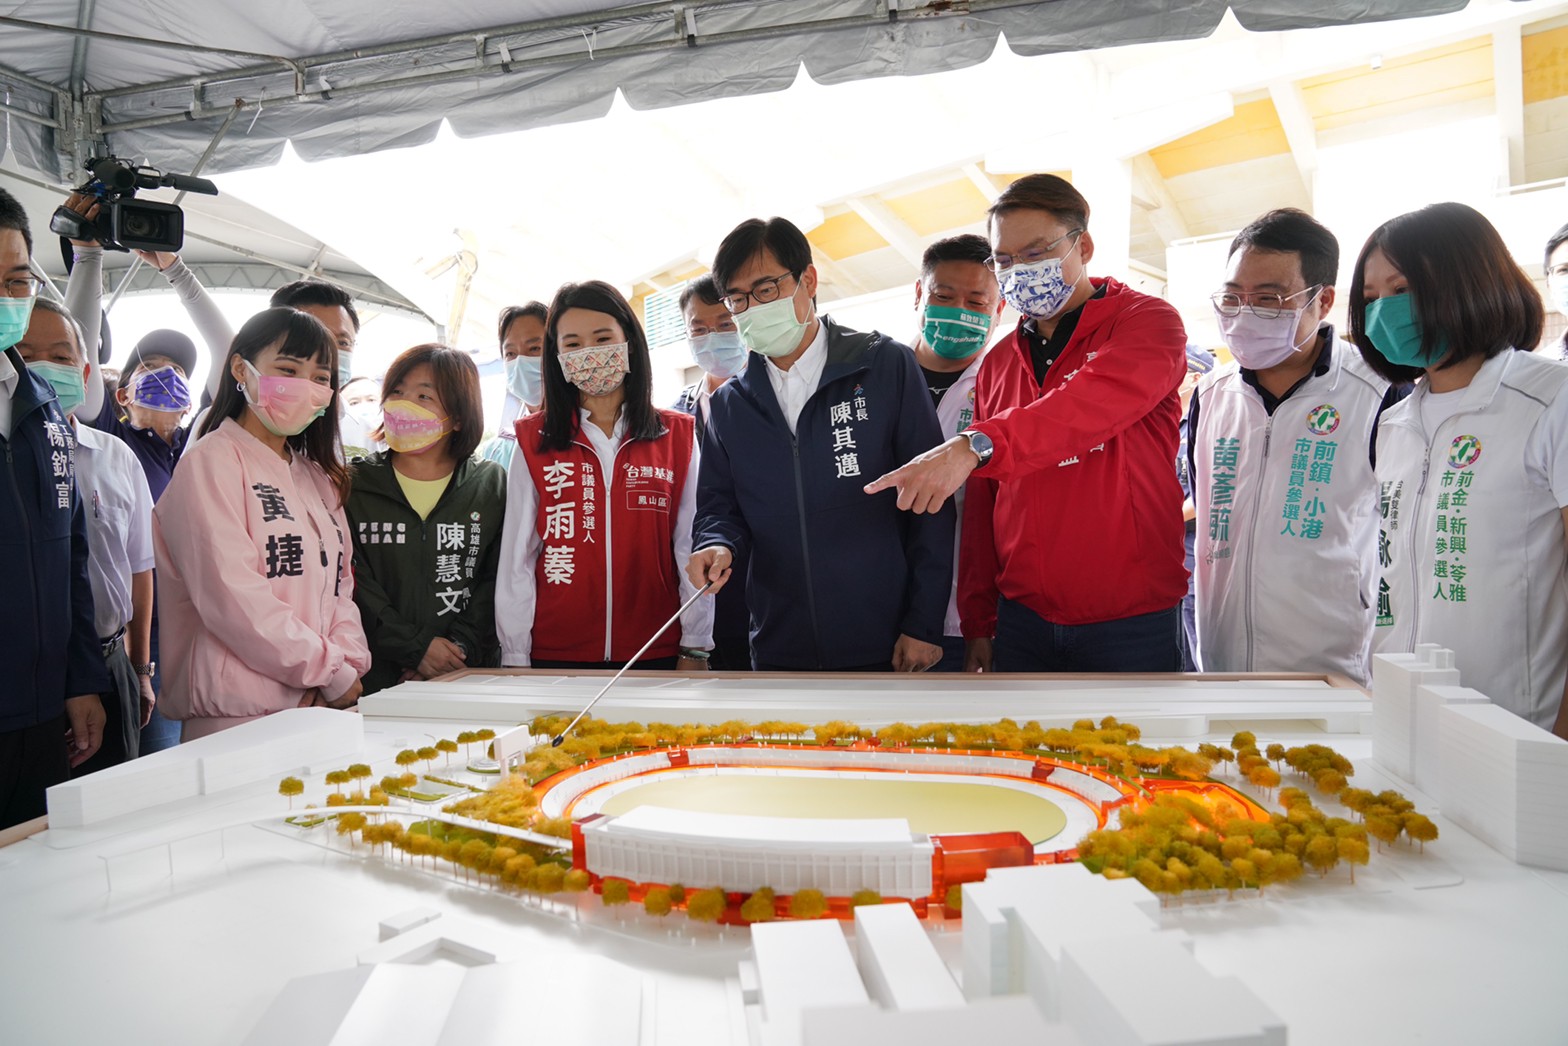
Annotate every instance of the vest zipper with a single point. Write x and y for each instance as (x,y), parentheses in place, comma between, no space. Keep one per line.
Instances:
(1252,543)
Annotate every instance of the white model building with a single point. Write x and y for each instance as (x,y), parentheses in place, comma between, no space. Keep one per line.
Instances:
(1086,953)
(1492,773)
(743,853)
(308,739)
(1503,779)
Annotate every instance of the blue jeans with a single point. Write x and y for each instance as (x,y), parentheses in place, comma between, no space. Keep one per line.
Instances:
(1026,642)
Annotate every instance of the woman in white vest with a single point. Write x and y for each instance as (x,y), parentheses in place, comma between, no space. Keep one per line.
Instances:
(1473,466)
(1281,445)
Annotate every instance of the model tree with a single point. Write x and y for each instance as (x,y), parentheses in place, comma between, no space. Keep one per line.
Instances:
(1353,851)
(291,786)
(1321,853)
(657,901)
(359,771)
(705,906)
(427,755)
(807,904)
(759,907)
(446,746)
(677,893)
(406,758)
(466,738)
(867,896)
(577,880)
(1418,827)
(615,891)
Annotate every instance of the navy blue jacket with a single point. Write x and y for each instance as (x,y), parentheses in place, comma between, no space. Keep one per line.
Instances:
(836,575)
(47,638)
(731,619)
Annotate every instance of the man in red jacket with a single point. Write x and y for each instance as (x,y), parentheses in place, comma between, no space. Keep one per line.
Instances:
(1071,553)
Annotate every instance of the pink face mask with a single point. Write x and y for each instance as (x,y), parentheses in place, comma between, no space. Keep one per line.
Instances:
(285,406)
(410,428)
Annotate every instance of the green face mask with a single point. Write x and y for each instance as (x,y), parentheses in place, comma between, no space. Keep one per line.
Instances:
(66,382)
(954,333)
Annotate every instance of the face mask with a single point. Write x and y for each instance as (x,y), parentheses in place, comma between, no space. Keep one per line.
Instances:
(366,412)
(1558,288)
(345,367)
(597,370)
(719,353)
(1257,343)
(525,379)
(771,329)
(1038,291)
(412,429)
(284,406)
(15,314)
(162,389)
(1395,333)
(954,333)
(66,381)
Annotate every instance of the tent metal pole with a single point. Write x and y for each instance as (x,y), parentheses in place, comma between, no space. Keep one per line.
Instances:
(212,146)
(23,114)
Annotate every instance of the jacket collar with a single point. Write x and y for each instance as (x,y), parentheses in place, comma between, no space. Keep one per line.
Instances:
(849,352)
(32,392)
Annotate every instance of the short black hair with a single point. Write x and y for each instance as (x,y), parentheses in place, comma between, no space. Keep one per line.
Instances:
(512,313)
(1466,290)
(967,247)
(702,287)
(1287,230)
(14,216)
(50,305)
(778,236)
(315,292)
(1050,193)
(1559,238)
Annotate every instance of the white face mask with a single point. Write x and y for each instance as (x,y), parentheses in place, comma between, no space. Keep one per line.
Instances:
(1259,344)
(1557,287)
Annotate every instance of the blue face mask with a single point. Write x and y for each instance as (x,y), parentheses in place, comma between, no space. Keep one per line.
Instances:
(525,379)
(345,367)
(15,314)
(719,353)
(66,381)
(1394,332)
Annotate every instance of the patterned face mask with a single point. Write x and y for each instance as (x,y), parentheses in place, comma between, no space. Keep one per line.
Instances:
(1038,290)
(162,389)
(597,370)
(411,428)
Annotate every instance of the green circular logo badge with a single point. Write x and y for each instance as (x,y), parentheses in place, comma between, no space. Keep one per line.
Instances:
(1463,452)
(1322,419)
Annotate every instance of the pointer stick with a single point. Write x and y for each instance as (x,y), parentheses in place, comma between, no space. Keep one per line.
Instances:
(556,743)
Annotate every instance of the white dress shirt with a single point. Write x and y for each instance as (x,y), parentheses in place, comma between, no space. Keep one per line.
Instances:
(794,387)
(118,507)
(8,381)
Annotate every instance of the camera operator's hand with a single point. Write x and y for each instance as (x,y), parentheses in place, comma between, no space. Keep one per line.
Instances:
(86,205)
(159,260)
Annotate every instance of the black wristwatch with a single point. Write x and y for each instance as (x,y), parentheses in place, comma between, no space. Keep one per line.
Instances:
(980,443)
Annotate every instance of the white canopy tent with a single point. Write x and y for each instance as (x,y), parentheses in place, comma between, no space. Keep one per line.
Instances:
(164,78)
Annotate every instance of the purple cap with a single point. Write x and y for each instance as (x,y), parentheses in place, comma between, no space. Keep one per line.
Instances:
(1199,360)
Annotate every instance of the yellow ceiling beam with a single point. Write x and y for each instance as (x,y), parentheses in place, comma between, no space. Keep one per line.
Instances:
(1545,57)
(1458,72)
(1253,131)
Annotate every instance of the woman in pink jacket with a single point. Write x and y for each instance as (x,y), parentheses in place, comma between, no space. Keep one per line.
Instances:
(255,588)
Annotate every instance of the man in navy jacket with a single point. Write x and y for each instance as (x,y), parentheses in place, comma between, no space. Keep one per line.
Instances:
(50,714)
(838,580)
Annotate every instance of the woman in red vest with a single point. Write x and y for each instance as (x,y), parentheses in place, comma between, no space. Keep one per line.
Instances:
(599,504)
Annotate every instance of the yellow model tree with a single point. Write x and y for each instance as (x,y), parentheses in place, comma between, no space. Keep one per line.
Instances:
(867,896)
(291,786)
(446,746)
(759,907)
(615,891)
(705,906)
(807,904)
(427,755)
(657,901)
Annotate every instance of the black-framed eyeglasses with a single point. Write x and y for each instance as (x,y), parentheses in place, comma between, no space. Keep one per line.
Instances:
(1263,306)
(762,292)
(23,286)
(1003,262)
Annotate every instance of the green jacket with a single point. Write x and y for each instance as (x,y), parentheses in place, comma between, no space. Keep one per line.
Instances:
(418,579)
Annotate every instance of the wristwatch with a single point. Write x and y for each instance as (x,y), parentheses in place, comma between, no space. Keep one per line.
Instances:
(696,655)
(146,670)
(980,443)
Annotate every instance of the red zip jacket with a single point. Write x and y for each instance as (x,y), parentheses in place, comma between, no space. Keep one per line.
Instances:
(606,561)
(1078,513)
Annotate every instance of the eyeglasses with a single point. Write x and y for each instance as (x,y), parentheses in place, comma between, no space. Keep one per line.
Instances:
(23,287)
(1263,306)
(762,292)
(1002,262)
